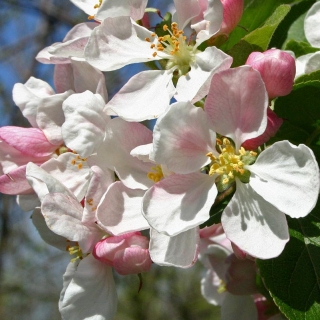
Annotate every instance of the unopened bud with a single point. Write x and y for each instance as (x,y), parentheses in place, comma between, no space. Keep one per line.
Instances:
(232,13)
(277,69)
(127,253)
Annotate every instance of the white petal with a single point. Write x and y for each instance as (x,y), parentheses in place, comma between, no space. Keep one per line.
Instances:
(182,138)
(120,139)
(142,152)
(118,42)
(254,225)
(50,116)
(237,104)
(115,8)
(63,216)
(288,177)
(46,234)
(98,185)
(312,25)
(212,20)
(209,288)
(178,251)
(120,210)
(149,92)
(179,202)
(196,83)
(91,293)
(186,10)
(84,127)
(43,183)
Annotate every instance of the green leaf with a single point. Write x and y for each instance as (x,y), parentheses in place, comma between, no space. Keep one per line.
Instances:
(255,14)
(167,19)
(309,77)
(292,25)
(259,39)
(302,106)
(293,278)
(300,48)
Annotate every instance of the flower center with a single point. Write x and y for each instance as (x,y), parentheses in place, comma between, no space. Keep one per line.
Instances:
(157,175)
(174,44)
(230,164)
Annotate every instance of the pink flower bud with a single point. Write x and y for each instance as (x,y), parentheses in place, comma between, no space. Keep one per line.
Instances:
(127,253)
(232,13)
(277,69)
(273,125)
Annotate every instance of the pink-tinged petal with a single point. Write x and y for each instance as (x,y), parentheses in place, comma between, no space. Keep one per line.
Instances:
(43,183)
(274,123)
(196,83)
(238,307)
(288,177)
(132,260)
(72,46)
(121,138)
(15,182)
(211,23)
(237,104)
(29,141)
(80,76)
(89,292)
(232,13)
(186,10)
(209,288)
(105,250)
(111,47)
(241,276)
(11,158)
(312,25)
(119,210)
(73,172)
(63,216)
(254,225)
(182,138)
(179,202)
(84,128)
(179,251)
(150,92)
(46,234)
(99,183)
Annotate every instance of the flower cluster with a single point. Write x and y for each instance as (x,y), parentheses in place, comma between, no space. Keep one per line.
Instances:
(119,195)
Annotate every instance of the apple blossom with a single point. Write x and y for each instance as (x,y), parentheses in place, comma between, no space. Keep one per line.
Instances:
(184,140)
(110,48)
